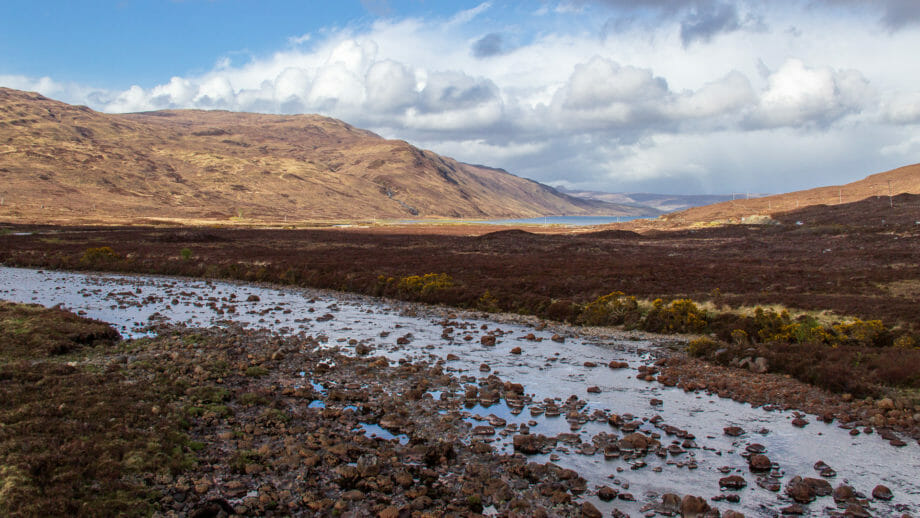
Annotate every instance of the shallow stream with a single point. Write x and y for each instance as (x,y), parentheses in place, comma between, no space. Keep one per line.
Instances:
(546,368)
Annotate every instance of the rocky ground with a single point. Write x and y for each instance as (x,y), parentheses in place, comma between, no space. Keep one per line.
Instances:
(222,422)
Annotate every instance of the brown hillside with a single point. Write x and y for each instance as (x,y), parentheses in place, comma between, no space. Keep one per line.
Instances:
(902,180)
(63,163)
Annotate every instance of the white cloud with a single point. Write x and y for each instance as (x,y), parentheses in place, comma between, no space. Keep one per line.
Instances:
(700,103)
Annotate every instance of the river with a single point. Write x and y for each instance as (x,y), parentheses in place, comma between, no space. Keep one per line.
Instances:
(546,368)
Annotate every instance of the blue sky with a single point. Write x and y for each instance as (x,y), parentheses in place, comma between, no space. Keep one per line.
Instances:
(693,96)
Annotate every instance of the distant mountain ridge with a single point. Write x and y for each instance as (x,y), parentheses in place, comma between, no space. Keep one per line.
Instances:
(60,162)
(660,203)
(880,185)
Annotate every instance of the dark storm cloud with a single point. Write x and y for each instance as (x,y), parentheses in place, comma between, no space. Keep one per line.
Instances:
(708,21)
(489,45)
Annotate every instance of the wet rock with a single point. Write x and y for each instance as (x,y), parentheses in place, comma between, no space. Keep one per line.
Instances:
(732,482)
(558,338)
(732,514)
(635,441)
(670,504)
(844,493)
(800,491)
(769,483)
(799,422)
(212,509)
(451,357)
(594,390)
(856,510)
(881,492)
(607,493)
(618,365)
(656,402)
(693,506)
(483,430)
(755,448)
(516,350)
(759,462)
(589,511)
(793,510)
(733,431)
(484,367)
(253,298)
(487,340)
(530,444)
(820,486)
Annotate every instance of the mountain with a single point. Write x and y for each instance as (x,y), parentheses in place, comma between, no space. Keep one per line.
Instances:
(897,181)
(61,163)
(656,203)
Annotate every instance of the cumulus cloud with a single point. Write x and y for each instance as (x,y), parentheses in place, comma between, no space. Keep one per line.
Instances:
(799,95)
(568,107)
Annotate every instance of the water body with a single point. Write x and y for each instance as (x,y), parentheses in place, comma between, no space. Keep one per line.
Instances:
(547,369)
(569,221)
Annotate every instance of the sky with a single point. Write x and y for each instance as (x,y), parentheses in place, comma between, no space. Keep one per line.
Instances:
(666,96)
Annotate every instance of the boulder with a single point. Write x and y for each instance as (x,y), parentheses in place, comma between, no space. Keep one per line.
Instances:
(760,462)
(881,492)
(732,482)
(693,506)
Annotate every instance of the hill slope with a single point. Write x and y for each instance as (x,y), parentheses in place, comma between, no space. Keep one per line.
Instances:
(69,163)
(902,180)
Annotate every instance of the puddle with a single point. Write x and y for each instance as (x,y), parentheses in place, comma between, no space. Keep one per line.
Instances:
(549,371)
(374,431)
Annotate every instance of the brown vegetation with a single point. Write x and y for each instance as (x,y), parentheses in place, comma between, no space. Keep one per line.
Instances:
(851,277)
(69,164)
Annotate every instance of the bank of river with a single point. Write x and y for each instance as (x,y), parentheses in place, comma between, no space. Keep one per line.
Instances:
(695,451)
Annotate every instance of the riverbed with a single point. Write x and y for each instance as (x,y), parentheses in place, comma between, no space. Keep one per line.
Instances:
(555,365)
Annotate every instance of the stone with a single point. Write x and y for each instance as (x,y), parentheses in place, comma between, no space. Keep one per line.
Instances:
(618,365)
(670,504)
(732,514)
(607,493)
(800,491)
(594,390)
(733,431)
(881,492)
(516,350)
(589,511)
(732,482)
(693,506)
(558,338)
(885,404)
(760,462)
(793,510)
(855,510)
(820,486)
(487,340)
(844,493)
(634,441)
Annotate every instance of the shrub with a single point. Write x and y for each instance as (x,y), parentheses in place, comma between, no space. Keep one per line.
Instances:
(488,302)
(905,341)
(424,284)
(256,371)
(680,316)
(186,254)
(610,310)
(561,310)
(861,332)
(702,347)
(100,256)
